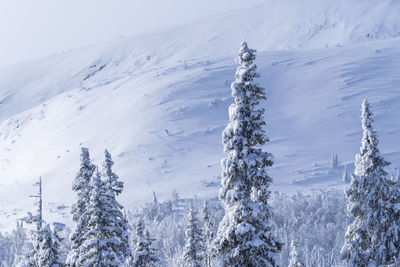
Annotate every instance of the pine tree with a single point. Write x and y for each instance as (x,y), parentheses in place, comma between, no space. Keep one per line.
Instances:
(208,226)
(193,251)
(48,252)
(82,188)
(389,248)
(245,236)
(155,208)
(113,188)
(144,254)
(38,220)
(372,239)
(295,260)
(109,176)
(99,239)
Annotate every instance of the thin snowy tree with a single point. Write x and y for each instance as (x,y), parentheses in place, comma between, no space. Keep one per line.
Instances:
(99,239)
(334,161)
(208,226)
(144,254)
(113,188)
(345,176)
(398,174)
(48,252)
(295,259)
(193,251)
(245,235)
(372,239)
(155,208)
(38,220)
(82,188)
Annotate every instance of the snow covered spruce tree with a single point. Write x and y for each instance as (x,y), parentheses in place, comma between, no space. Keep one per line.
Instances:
(81,186)
(193,251)
(245,236)
(113,188)
(372,239)
(99,239)
(49,246)
(144,254)
(208,226)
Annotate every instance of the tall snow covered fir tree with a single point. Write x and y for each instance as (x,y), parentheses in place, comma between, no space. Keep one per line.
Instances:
(113,188)
(245,235)
(144,254)
(81,186)
(193,251)
(372,239)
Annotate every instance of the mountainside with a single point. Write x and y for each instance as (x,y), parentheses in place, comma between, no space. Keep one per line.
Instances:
(159,102)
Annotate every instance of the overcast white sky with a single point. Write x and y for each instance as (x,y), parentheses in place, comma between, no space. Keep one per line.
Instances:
(35,28)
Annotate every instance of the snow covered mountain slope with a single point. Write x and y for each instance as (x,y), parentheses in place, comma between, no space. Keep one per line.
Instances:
(159,102)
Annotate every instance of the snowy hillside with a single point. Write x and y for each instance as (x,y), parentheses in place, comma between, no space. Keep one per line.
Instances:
(159,102)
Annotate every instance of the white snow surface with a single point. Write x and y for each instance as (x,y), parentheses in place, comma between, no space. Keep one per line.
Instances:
(159,102)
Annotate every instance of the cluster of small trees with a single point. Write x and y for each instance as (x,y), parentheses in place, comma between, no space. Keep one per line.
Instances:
(100,236)
(243,233)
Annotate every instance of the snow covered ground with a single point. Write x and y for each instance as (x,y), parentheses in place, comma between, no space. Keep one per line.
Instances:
(159,103)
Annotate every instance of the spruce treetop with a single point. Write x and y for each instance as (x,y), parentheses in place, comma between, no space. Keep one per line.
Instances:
(369,160)
(85,172)
(111,178)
